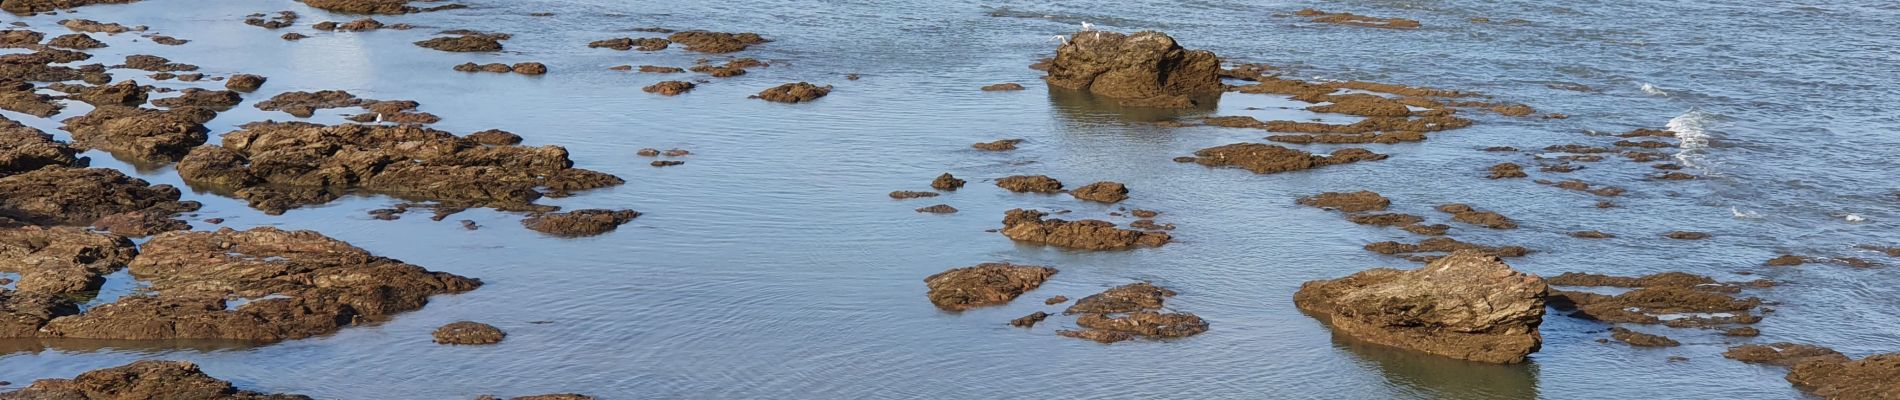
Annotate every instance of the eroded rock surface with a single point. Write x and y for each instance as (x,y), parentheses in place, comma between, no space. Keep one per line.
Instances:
(1145,68)
(170,380)
(798,92)
(282,165)
(261,285)
(577,223)
(468,333)
(1029,226)
(1267,159)
(985,284)
(1467,306)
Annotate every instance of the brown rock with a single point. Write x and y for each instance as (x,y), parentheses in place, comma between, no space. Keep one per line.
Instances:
(1874,377)
(155,64)
(985,284)
(1466,214)
(1507,170)
(1467,306)
(794,93)
(669,88)
(468,43)
(1359,201)
(946,182)
(1591,235)
(1106,192)
(1140,296)
(715,42)
(1002,87)
(468,333)
(80,196)
(61,261)
(1686,235)
(305,104)
(999,145)
(218,100)
(530,68)
(1645,305)
(142,380)
(1742,332)
(938,209)
(375,6)
(1640,339)
(1054,300)
(579,223)
(282,165)
(906,194)
(495,137)
(1787,260)
(1029,226)
(1428,230)
(298,284)
(1147,324)
(1444,245)
(1385,219)
(1357,20)
(1268,159)
(654,69)
(1783,354)
(1029,321)
(23,148)
(76,41)
(1146,66)
(1030,184)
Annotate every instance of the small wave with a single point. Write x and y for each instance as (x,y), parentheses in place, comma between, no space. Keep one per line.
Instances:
(1652,90)
(1739,214)
(1692,130)
(1853,218)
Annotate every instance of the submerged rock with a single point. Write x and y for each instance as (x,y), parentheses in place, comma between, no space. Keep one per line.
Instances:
(985,284)
(467,43)
(1467,306)
(1003,87)
(999,145)
(1444,245)
(1507,170)
(580,222)
(1106,192)
(938,209)
(1029,226)
(1357,20)
(142,380)
(1268,159)
(1029,321)
(468,333)
(261,285)
(1148,68)
(1783,354)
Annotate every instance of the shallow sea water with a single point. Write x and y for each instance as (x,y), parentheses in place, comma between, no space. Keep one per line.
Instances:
(773,264)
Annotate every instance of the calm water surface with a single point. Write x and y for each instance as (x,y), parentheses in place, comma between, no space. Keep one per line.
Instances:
(773,264)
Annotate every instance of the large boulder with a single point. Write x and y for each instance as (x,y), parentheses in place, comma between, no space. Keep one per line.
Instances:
(1467,306)
(1145,68)
(142,380)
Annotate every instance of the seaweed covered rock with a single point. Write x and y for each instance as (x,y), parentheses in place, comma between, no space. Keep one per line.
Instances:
(1268,159)
(578,223)
(282,165)
(1029,226)
(468,333)
(985,284)
(260,285)
(1145,68)
(142,380)
(1468,306)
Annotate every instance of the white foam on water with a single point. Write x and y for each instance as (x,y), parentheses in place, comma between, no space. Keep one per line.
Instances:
(1692,130)
(1652,90)
(1851,217)
(1739,214)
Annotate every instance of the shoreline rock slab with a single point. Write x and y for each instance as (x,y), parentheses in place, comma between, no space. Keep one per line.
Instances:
(1469,306)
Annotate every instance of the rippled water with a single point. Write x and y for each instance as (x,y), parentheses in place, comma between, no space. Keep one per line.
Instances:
(773,264)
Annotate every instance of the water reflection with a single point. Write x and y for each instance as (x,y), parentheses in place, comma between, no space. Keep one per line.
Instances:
(1429,376)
